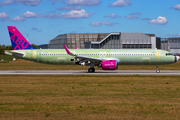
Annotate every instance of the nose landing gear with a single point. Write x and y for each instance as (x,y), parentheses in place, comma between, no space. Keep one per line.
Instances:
(157,69)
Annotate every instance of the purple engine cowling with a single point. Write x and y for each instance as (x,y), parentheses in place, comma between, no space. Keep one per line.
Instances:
(109,65)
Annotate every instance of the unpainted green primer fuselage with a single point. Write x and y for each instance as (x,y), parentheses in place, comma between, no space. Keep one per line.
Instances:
(124,56)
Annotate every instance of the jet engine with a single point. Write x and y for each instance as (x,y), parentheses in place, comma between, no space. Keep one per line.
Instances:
(109,65)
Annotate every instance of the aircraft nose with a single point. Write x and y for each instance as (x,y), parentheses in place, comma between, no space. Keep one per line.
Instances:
(176,58)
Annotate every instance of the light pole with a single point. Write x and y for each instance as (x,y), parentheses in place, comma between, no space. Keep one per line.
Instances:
(27,37)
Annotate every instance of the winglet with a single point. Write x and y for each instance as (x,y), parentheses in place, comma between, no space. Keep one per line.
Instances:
(68,52)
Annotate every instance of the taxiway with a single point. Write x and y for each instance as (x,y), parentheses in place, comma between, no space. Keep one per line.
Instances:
(98,72)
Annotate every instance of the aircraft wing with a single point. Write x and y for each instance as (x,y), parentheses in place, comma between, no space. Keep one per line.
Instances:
(83,58)
(89,58)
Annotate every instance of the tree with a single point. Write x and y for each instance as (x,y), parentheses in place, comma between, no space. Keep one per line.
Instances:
(35,46)
(3,47)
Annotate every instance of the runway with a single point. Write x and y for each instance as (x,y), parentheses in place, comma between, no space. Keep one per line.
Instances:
(98,72)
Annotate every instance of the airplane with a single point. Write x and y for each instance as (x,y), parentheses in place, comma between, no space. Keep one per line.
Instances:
(107,59)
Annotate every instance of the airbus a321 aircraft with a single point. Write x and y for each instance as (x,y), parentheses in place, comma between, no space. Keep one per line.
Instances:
(107,59)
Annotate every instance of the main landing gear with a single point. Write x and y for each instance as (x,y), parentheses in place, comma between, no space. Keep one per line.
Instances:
(157,69)
(90,70)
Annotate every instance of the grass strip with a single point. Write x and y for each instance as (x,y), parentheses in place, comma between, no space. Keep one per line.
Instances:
(89,97)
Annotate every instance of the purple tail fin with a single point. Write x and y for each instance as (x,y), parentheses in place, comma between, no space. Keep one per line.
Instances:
(17,39)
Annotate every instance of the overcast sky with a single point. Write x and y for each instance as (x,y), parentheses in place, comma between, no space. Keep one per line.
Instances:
(45,19)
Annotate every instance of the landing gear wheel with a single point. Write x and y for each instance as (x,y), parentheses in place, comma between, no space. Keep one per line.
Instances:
(158,71)
(90,70)
(93,69)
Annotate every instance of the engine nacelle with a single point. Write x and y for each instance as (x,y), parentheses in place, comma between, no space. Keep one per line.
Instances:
(109,65)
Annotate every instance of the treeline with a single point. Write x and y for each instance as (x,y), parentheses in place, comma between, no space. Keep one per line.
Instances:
(9,47)
(3,47)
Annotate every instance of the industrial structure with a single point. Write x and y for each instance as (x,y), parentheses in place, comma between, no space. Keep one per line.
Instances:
(106,41)
(171,44)
(75,40)
(115,40)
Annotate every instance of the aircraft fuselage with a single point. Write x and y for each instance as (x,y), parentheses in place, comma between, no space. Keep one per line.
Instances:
(123,56)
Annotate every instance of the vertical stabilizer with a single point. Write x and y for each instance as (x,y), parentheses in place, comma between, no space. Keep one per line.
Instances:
(17,39)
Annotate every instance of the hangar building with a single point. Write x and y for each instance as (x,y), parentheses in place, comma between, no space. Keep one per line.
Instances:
(174,44)
(115,40)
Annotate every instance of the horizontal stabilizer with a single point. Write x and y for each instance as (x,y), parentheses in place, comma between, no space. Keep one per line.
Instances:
(16,54)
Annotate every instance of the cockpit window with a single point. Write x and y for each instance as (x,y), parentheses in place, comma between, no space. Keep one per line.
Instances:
(168,54)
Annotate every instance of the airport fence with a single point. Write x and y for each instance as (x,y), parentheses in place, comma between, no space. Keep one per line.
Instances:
(5,58)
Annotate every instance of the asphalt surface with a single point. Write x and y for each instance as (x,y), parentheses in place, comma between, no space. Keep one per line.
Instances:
(98,72)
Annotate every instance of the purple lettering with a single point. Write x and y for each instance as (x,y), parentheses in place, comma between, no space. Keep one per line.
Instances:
(26,45)
(17,47)
(18,42)
(13,38)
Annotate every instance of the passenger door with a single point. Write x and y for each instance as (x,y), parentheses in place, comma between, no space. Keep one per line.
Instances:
(158,54)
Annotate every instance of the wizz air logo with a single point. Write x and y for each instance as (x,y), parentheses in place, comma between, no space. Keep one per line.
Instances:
(18,43)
